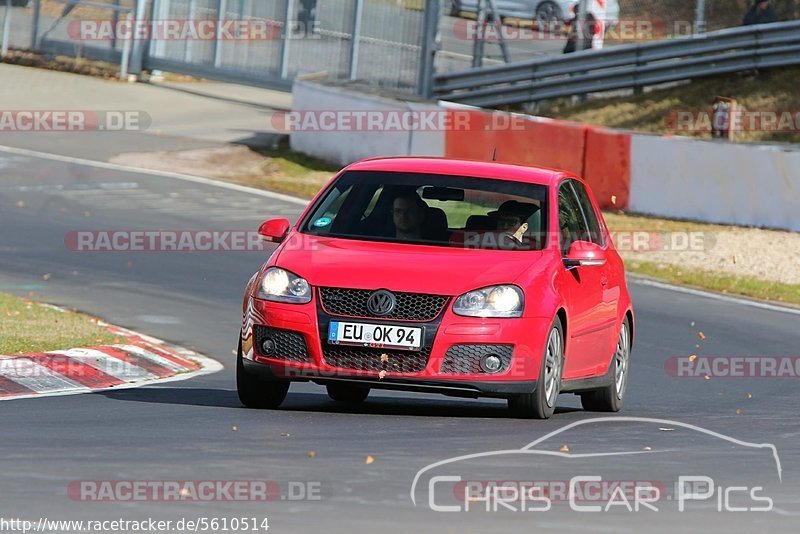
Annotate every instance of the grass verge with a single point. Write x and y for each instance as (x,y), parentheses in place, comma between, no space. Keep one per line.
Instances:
(30,327)
(774,90)
(291,172)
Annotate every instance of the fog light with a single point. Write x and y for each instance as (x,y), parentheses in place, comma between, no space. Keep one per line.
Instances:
(491,363)
(267,347)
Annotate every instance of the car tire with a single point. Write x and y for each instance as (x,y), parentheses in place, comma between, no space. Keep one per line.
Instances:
(547,15)
(612,397)
(257,392)
(344,393)
(541,404)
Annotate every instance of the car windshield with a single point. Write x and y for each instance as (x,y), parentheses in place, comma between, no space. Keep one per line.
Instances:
(430,209)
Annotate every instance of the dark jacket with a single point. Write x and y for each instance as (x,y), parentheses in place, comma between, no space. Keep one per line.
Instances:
(755,16)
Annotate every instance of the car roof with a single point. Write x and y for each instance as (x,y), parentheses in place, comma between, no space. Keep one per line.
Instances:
(474,169)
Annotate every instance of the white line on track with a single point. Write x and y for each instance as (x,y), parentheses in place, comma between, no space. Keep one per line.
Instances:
(715,296)
(150,172)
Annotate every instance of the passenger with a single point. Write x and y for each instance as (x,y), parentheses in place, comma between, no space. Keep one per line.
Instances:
(512,217)
(408,215)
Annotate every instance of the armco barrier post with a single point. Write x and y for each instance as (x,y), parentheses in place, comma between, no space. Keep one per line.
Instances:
(37,11)
(126,53)
(6,29)
(700,17)
(139,45)
(285,40)
(427,64)
(356,40)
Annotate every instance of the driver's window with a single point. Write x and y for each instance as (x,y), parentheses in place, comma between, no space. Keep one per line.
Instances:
(571,224)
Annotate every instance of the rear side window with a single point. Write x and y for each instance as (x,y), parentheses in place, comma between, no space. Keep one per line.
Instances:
(592,222)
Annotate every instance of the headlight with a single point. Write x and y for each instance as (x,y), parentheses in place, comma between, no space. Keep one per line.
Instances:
(279,285)
(495,301)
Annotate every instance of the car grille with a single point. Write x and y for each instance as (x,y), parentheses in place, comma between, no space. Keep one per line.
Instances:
(367,359)
(466,359)
(289,346)
(409,306)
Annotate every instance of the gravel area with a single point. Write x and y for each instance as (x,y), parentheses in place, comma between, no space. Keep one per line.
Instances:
(765,254)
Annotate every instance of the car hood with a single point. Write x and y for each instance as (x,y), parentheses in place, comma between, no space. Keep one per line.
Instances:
(332,262)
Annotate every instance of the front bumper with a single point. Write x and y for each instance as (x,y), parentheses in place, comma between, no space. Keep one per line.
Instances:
(472,389)
(524,337)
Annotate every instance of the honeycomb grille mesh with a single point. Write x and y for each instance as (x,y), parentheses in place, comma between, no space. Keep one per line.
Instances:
(409,307)
(466,359)
(289,346)
(367,359)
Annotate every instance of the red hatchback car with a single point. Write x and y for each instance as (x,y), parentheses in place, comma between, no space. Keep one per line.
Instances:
(469,279)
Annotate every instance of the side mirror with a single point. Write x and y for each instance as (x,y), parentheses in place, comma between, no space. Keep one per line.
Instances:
(584,254)
(274,230)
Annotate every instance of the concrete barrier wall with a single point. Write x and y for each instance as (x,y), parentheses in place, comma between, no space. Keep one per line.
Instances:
(518,139)
(348,145)
(607,166)
(715,182)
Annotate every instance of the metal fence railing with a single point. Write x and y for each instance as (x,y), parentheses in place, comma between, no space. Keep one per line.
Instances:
(378,43)
(625,67)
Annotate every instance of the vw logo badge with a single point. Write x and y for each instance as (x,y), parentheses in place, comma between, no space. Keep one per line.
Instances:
(381,303)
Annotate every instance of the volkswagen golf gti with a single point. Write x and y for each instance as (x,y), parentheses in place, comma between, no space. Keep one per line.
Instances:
(470,279)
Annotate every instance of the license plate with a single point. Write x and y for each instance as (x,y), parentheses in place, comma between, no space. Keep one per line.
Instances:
(375,335)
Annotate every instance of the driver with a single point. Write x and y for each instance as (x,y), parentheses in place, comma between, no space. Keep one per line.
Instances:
(408,215)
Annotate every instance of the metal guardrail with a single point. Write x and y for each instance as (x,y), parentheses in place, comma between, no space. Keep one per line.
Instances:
(625,67)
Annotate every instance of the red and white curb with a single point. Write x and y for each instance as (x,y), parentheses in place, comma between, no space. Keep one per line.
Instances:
(139,361)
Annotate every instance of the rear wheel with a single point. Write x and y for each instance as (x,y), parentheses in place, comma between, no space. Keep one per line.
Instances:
(547,16)
(542,402)
(612,397)
(255,391)
(344,393)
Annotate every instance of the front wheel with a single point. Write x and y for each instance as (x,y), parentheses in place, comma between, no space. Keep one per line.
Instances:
(256,392)
(612,397)
(541,404)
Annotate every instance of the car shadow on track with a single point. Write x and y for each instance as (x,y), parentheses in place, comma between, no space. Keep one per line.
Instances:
(320,403)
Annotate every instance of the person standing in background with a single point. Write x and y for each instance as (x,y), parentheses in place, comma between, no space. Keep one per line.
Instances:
(762,12)
(307,16)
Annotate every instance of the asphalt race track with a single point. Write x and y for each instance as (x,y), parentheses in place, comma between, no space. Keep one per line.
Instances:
(197,430)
